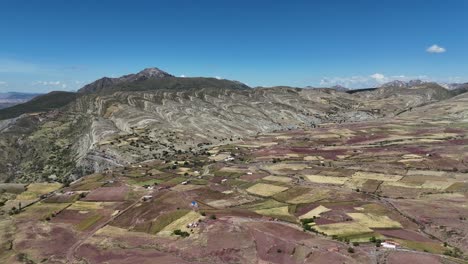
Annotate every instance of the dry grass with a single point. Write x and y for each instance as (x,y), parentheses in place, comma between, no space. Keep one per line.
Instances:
(343,229)
(376,176)
(315,212)
(276,211)
(181,223)
(266,190)
(374,221)
(437,185)
(88,222)
(326,179)
(89,206)
(35,190)
(277,179)
(280,167)
(313,158)
(310,197)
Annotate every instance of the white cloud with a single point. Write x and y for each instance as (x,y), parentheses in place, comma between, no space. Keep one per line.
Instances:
(378,77)
(217,77)
(182,76)
(3,83)
(436,49)
(58,84)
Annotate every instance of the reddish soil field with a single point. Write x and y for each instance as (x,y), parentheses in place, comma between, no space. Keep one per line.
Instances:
(70,217)
(107,194)
(97,255)
(252,177)
(413,258)
(46,243)
(61,198)
(403,234)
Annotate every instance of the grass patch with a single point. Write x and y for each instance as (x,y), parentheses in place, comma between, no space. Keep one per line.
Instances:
(181,223)
(315,212)
(145,182)
(265,190)
(88,206)
(310,197)
(423,246)
(88,222)
(374,221)
(277,179)
(35,190)
(42,210)
(326,179)
(165,219)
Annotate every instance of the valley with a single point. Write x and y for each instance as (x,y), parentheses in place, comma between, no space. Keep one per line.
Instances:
(335,192)
(177,170)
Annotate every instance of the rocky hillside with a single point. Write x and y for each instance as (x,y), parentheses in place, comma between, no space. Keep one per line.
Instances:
(151,114)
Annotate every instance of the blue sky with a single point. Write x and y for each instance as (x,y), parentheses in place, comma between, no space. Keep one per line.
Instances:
(61,45)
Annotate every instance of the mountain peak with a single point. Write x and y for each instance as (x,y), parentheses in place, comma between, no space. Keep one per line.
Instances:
(403,84)
(106,82)
(153,73)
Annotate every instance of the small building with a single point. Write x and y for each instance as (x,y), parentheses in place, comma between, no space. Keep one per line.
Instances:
(390,244)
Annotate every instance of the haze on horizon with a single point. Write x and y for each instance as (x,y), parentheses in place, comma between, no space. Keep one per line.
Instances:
(58,45)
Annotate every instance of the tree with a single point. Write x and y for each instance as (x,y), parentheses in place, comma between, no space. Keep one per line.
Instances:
(350,250)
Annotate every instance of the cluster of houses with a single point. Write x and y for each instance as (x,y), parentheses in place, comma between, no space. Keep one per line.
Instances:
(192,225)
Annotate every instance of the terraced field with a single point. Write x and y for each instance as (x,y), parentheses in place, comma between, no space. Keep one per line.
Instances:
(292,196)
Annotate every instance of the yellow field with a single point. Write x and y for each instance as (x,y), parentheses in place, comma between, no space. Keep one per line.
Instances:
(437,185)
(258,144)
(374,221)
(35,190)
(402,184)
(326,179)
(362,224)
(277,211)
(343,229)
(427,173)
(279,167)
(181,223)
(184,188)
(376,176)
(315,212)
(41,210)
(309,197)
(266,190)
(89,206)
(355,183)
(277,179)
(313,158)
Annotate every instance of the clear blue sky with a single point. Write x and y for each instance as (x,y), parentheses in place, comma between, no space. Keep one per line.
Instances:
(50,45)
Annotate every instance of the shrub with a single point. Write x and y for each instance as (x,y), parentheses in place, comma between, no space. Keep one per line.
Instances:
(180,233)
(350,250)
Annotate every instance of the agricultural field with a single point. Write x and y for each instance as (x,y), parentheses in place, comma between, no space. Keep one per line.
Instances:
(298,196)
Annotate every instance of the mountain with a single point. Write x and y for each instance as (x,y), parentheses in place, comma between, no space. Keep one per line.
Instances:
(152,114)
(106,82)
(403,84)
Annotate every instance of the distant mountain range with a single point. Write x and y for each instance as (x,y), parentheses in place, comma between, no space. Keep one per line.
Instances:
(70,134)
(13,98)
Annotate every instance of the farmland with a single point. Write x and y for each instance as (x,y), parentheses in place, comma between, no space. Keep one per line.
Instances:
(299,195)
